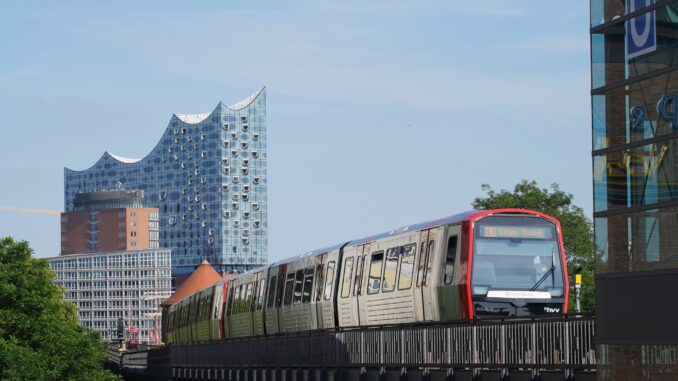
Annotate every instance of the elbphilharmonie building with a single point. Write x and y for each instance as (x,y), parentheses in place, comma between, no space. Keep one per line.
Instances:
(207,176)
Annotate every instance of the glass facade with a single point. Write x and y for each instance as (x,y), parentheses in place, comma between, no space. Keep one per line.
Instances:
(207,176)
(634,103)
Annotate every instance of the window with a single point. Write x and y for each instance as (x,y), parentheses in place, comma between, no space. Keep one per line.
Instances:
(247,302)
(348,272)
(261,295)
(448,276)
(271,292)
(391,268)
(319,281)
(308,285)
(374,281)
(298,286)
(406,267)
(429,267)
(422,262)
(289,292)
(329,280)
(357,282)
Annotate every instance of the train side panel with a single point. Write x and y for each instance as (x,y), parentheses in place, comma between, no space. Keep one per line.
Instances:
(324,298)
(274,297)
(203,314)
(297,312)
(258,300)
(381,298)
(448,291)
(240,317)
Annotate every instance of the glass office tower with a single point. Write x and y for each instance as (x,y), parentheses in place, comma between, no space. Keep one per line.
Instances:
(634,96)
(207,177)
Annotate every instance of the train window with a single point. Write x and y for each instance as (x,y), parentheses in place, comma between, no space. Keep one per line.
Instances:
(298,286)
(240,297)
(308,285)
(449,259)
(406,267)
(280,287)
(289,285)
(429,261)
(348,273)
(271,292)
(229,301)
(374,280)
(319,282)
(358,273)
(391,269)
(262,294)
(422,262)
(192,310)
(329,280)
(247,302)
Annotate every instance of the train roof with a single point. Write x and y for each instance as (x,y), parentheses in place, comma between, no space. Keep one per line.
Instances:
(414,227)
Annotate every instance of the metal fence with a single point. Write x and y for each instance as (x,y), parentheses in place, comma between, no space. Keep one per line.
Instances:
(564,343)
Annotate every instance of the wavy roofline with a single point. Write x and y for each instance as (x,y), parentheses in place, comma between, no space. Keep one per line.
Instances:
(189,119)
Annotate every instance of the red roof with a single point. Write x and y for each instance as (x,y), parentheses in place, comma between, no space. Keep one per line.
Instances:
(202,277)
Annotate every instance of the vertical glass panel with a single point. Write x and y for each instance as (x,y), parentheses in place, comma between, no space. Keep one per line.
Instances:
(308,285)
(391,268)
(450,259)
(289,288)
(597,60)
(348,273)
(600,183)
(329,280)
(271,292)
(374,281)
(600,242)
(598,121)
(406,267)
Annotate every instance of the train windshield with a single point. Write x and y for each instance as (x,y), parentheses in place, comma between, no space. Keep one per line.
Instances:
(516,253)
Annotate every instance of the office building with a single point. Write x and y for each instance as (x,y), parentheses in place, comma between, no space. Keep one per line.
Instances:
(109,286)
(634,81)
(207,177)
(109,221)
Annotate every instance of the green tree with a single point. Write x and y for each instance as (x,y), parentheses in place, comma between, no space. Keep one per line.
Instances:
(577,228)
(40,338)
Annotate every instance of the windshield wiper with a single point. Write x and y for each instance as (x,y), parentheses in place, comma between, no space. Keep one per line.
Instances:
(549,272)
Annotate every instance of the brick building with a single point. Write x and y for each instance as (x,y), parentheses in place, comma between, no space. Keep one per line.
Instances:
(109,221)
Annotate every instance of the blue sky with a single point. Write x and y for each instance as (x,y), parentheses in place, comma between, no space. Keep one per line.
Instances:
(380,113)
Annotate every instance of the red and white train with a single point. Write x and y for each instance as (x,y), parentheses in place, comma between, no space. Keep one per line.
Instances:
(503,262)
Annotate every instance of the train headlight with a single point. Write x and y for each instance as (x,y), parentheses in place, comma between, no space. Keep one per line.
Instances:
(556,292)
(477,290)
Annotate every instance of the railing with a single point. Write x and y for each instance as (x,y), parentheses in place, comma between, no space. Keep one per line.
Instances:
(561,344)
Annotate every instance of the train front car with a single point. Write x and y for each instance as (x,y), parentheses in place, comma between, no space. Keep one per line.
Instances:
(518,265)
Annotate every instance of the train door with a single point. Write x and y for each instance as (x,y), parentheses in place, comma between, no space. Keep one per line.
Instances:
(347,304)
(359,280)
(424,293)
(448,291)
(318,290)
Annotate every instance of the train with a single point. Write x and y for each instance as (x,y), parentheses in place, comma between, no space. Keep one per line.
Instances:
(471,265)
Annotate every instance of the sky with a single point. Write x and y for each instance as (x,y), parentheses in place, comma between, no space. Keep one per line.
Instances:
(380,114)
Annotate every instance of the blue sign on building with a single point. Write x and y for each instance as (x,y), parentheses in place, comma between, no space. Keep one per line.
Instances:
(641,31)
